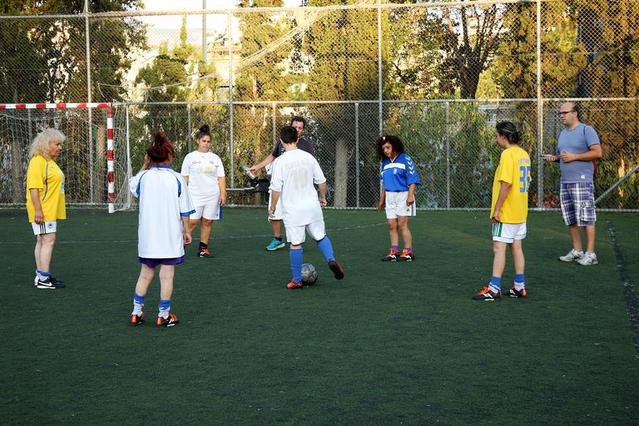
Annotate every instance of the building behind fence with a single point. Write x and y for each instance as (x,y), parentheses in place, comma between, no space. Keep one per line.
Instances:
(438,74)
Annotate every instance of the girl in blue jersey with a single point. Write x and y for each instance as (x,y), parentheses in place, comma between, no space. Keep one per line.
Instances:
(399,179)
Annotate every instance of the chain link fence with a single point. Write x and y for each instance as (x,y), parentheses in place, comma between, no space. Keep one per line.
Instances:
(438,74)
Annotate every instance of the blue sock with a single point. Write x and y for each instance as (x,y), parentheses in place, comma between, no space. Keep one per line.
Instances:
(395,248)
(326,248)
(297,258)
(165,307)
(42,275)
(495,283)
(519,278)
(138,304)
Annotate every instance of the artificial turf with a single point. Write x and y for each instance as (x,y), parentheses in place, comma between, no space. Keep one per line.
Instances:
(393,343)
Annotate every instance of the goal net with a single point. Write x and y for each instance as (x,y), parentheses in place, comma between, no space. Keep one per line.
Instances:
(93,162)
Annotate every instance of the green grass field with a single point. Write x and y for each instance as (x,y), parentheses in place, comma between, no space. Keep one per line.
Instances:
(397,343)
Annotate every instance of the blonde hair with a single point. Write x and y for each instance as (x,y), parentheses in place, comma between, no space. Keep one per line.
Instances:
(42,142)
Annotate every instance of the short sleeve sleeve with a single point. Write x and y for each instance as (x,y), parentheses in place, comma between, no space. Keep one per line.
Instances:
(412,176)
(277,180)
(186,166)
(220,167)
(36,173)
(506,168)
(592,138)
(186,203)
(134,184)
(318,174)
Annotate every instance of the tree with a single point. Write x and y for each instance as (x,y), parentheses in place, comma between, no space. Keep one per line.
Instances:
(54,51)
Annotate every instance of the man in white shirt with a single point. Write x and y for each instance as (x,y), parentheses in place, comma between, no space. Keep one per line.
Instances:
(294,173)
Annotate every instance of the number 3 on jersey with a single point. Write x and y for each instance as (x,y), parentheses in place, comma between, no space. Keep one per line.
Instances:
(525,178)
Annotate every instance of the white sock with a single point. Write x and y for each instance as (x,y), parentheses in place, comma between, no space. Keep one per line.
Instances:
(519,286)
(137,309)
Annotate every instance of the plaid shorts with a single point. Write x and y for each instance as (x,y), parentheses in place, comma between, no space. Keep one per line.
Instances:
(578,203)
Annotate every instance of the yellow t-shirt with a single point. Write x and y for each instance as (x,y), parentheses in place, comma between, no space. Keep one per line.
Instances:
(514,168)
(45,176)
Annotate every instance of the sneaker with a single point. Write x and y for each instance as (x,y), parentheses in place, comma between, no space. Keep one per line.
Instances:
(275,244)
(487,295)
(572,256)
(391,256)
(203,252)
(406,256)
(169,321)
(338,270)
(56,281)
(588,259)
(516,294)
(49,282)
(293,285)
(136,320)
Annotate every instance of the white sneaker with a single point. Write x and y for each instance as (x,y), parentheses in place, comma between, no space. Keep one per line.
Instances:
(588,259)
(572,256)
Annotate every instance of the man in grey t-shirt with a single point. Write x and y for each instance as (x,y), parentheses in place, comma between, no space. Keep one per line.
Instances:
(577,148)
(304,144)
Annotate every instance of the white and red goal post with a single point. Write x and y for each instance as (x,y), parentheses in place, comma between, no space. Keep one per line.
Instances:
(19,123)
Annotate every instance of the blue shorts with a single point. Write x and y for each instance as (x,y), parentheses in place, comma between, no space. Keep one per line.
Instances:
(578,203)
(152,263)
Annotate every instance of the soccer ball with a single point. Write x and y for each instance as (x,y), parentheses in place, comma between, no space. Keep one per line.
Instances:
(309,274)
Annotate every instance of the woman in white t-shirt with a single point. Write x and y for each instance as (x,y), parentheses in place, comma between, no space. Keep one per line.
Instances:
(165,206)
(204,173)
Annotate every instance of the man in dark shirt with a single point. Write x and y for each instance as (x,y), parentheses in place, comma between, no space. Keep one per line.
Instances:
(304,144)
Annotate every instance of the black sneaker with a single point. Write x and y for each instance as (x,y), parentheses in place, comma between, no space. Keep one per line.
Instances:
(487,295)
(337,269)
(514,293)
(203,252)
(49,283)
(406,256)
(391,256)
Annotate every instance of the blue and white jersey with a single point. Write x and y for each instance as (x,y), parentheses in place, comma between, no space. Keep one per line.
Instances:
(397,175)
(164,199)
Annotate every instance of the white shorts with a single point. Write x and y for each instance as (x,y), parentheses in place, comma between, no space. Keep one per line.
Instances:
(509,232)
(210,211)
(297,234)
(278,208)
(44,228)
(396,205)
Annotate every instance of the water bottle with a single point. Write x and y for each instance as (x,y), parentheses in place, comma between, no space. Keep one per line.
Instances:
(248,172)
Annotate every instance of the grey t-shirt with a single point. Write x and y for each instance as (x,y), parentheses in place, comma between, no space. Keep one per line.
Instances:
(303,144)
(577,141)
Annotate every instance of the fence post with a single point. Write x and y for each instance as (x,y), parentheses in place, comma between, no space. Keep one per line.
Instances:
(357,154)
(89,95)
(447,138)
(540,116)
(274,121)
(380,93)
(229,19)
(129,168)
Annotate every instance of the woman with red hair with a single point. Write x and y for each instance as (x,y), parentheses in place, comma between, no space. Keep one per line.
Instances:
(163,230)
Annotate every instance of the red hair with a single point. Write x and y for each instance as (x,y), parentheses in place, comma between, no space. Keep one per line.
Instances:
(160,149)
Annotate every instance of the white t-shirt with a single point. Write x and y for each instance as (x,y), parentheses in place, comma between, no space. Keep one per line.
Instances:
(164,199)
(294,173)
(203,169)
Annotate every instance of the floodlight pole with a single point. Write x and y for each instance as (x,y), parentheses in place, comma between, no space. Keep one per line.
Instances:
(229,27)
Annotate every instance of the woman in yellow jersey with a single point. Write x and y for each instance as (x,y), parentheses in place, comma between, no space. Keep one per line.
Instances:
(45,201)
(508,213)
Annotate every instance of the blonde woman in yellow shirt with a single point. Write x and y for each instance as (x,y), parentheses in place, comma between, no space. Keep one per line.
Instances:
(45,201)
(508,213)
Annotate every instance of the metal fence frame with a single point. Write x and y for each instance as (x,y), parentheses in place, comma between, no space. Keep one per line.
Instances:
(379,6)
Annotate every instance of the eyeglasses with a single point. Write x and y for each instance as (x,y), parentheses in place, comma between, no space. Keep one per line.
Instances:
(566,112)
